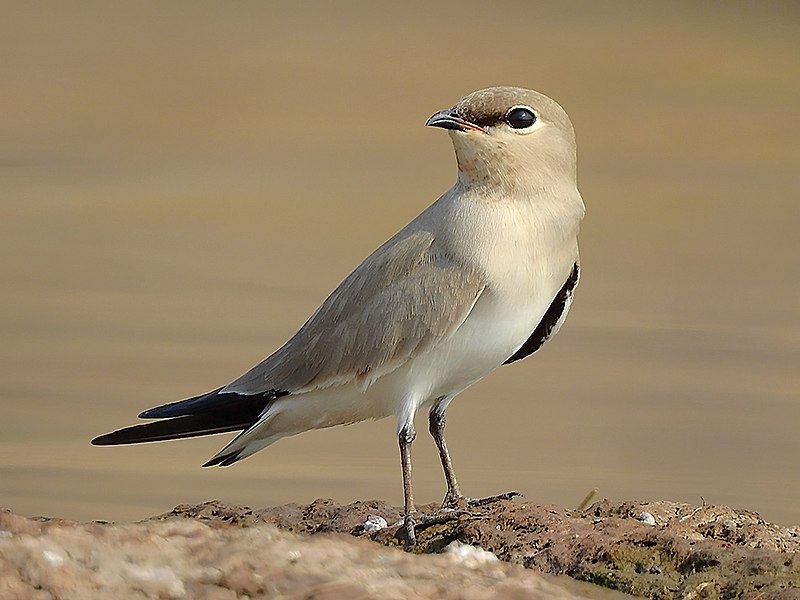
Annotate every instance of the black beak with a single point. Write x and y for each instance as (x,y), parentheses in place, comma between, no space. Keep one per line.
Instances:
(448,119)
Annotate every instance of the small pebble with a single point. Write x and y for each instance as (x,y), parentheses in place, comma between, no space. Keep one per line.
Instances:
(647,518)
(374,523)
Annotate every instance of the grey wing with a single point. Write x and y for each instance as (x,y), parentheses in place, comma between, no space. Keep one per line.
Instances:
(404,298)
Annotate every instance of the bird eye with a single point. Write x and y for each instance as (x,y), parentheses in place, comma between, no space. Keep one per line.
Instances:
(520,117)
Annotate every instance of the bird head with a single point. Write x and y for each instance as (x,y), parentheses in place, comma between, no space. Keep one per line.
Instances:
(510,139)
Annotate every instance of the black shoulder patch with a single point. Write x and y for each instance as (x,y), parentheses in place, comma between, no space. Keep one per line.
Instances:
(551,319)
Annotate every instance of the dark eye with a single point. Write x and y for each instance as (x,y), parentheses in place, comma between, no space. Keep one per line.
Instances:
(521,117)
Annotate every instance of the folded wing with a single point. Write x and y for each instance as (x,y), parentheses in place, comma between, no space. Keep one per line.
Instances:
(403,299)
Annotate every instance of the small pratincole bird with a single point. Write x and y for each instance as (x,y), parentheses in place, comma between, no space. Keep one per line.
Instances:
(481,278)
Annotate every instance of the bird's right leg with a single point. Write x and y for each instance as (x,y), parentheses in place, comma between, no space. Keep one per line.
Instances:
(454,498)
(436,423)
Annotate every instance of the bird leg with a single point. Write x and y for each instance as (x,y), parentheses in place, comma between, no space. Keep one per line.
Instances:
(412,518)
(453,498)
(436,423)
(405,439)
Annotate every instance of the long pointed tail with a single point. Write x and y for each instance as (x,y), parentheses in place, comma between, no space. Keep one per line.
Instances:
(210,413)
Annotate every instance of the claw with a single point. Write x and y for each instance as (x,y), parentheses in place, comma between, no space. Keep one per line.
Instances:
(455,501)
(495,498)
(408,528)
(411,522)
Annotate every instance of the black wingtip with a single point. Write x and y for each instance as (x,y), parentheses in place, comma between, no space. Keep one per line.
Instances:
(201,403)
(214,401)
(103,440)
(203,415)
(177,428)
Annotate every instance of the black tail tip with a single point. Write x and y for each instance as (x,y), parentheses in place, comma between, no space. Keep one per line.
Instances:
(225,460)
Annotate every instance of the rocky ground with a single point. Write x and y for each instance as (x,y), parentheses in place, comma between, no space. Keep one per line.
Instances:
(661,550)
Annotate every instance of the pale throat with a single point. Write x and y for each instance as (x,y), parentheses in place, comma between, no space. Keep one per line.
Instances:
(497,169)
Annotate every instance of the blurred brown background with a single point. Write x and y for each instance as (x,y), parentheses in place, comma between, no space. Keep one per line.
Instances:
(182,183)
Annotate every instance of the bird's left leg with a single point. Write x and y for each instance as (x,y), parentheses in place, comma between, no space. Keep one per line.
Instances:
(405,437)
(453,497)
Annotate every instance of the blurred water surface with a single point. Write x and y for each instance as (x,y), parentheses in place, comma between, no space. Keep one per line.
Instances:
(181,184)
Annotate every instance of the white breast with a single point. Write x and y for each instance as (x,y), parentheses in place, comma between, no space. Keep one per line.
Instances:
(526,253)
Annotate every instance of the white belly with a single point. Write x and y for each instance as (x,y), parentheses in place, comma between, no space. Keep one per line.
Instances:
(490,334)
(497,326)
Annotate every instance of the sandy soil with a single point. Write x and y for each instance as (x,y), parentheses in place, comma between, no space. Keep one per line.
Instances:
(659,550)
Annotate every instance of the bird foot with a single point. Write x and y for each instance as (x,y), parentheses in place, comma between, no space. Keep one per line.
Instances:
(461,502)
(453,507)
(418,520)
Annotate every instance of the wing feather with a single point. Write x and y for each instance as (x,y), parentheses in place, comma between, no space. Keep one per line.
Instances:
(404,298)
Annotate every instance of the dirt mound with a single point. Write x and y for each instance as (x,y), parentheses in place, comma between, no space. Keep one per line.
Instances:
(212,550)
(212,558)
(660,550)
